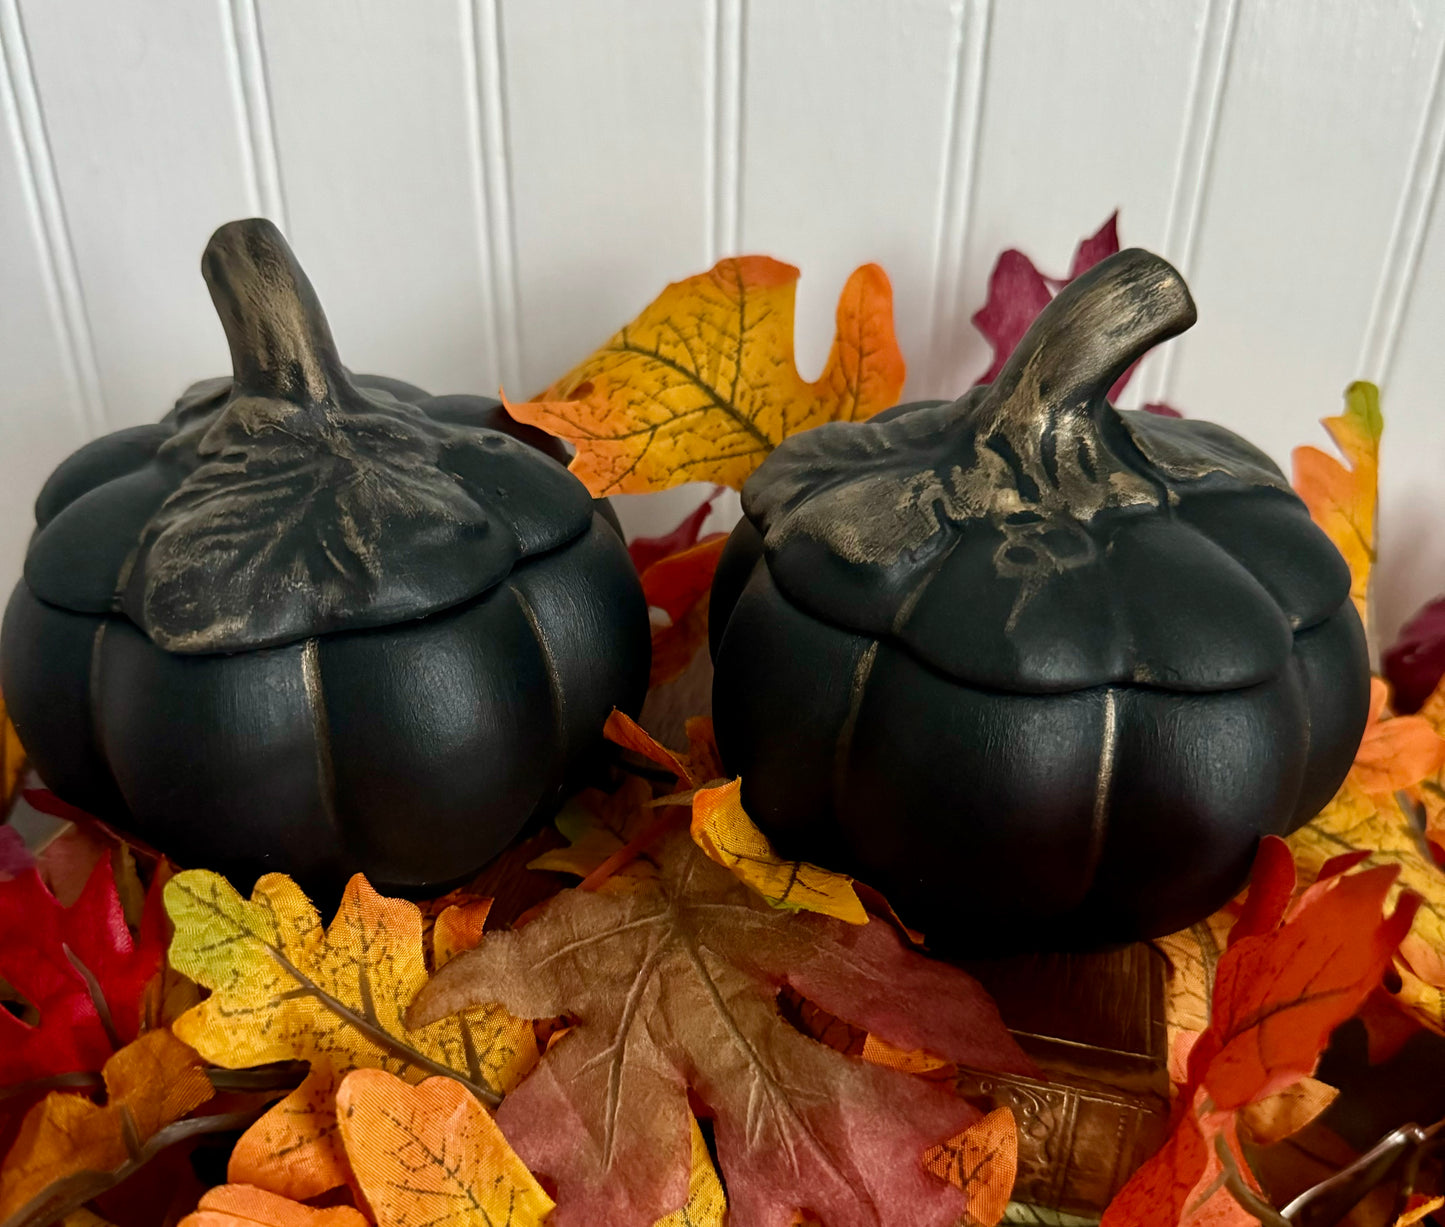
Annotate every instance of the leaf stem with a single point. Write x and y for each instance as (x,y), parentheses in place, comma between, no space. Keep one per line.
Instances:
(71,1192)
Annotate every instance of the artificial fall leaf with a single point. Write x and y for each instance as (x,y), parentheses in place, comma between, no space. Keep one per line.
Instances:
(1017,292)
(983,1161)
(706,1204)
(644,551)
(722,829)
(673,987)
(12,759)
(702,385)
(1192,955)
(430,1154)
(1419,1209)
(910,1061)
(598,826)
(677,589)
(242,1205)
(1342,500)
(1286,1112)
(1380,831)
(1415,663)
(295,1148)
(80,967)
(284,988)
(459,927)
(1288,981)
(149,1084)
(1396,752)
(1295,967)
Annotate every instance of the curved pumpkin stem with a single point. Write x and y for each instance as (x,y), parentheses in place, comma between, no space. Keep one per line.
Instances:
(1092,332)
(281,346)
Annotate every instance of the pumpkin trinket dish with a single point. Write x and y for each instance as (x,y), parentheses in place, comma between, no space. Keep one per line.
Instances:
(1060,665)
(318,623)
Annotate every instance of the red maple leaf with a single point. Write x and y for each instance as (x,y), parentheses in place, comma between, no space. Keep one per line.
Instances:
(1415,662)
(1292,973)
(673,989)
(79,967)
(647,550)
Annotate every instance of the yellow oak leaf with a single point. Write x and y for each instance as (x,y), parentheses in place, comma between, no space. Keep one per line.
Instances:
(702,385)
(70,1148)
(285,988)
(12,759)
(1192,955)
(430,1153)
(983,1161)
(723,830)
(1354,822)
(242,1205)
(1342,500)
(706,1204)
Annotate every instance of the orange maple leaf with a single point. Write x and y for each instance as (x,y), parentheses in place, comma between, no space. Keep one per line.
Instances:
(1342,500)
(1293,970)
(1396,752)
(702,385)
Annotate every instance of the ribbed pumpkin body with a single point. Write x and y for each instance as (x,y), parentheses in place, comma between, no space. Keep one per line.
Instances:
(1041,671)
(319,628)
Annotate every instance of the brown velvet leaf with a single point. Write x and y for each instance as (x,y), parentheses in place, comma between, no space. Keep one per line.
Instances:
(674,988)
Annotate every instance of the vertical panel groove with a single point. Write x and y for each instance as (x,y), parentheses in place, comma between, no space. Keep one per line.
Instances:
(241,28)
(1407,236)
(962,137)
(1192,171)
(47,211)
(725,65)
(483,48)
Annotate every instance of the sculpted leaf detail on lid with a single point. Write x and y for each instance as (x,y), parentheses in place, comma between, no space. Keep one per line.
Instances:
(294,499)
(1031,536)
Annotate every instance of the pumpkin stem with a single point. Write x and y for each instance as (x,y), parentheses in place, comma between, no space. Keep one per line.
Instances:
(281,345)
(1090,334)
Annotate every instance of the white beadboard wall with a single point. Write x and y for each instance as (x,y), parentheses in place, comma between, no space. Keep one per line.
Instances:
(482,190)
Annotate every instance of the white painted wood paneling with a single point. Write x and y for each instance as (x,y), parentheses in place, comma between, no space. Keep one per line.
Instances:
(610,122)
(141,108)
(1315,130)
(1411,567)
(843,160)
(484,189)
(382,173)
(51,401)
(608,126)
(1083,109)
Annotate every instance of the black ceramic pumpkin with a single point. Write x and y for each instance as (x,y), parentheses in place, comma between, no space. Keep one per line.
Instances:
(1041,670)
(315,622)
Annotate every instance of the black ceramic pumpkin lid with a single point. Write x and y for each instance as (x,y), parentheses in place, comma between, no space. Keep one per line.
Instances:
(1030,537)
(290,501)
